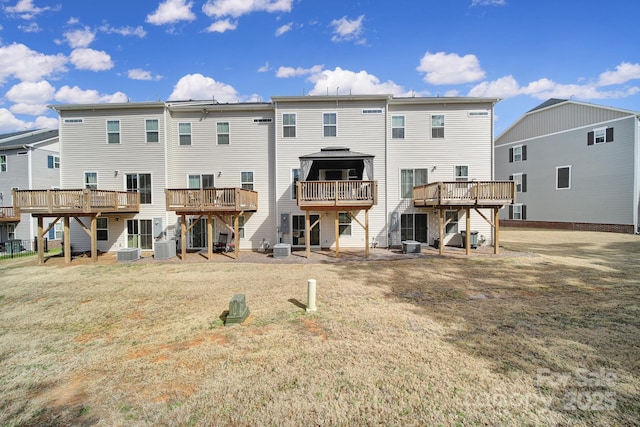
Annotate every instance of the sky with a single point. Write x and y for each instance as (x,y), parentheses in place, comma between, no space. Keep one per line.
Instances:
(521,51)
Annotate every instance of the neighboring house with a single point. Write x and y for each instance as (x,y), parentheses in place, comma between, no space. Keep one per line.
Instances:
(576,166)
(317,171)
(28,160)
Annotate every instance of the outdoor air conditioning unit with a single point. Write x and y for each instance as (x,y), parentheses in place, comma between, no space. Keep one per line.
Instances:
(281,250)
(165,249)
(128,254)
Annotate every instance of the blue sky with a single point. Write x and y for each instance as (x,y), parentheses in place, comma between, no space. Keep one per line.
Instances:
(72,51)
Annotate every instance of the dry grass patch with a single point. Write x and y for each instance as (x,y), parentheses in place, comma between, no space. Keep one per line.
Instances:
(432,341)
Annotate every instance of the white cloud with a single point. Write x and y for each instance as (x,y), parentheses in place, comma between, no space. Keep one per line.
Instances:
(284,29)
(75,95)
(9,122)
(346,81)
(90,59)
(288,72)
(28,109)
(31,28)
(170,12)
(199,87)
(124,31)
(80,38)
(237,8)
(222,26)
(348,30)
(623,73)
(450,68)
(264,68)
(140,74)
(488,2)
(19,61)
(25,9)
(31,92)
(44,122)
(504,87)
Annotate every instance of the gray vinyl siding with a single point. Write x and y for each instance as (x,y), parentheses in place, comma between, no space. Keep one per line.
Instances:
(602,175)
(85,149)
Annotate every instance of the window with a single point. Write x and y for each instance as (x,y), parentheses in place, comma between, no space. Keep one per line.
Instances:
(3,163)
(372,111)
(102,228)
(437,126)
(140,183)
(140,233)
(344,223)
(482,113)
(240,226)
(223,133)
(73,121)
(152,129)
(397,127)
(295,177)
(414,227)
(288,125)
(520,180)
(55,232)
(451,219)
(11,231)
(330,124)
(184,133)
(246,179)
(598,136)
(113,131)
(518,154)
(201,181)
(263,120)
(91,180)
(462,173)
(518,212)
(410,178)
(53,162)
(563,177)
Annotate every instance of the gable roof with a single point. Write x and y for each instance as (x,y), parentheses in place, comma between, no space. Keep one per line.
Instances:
(28,138)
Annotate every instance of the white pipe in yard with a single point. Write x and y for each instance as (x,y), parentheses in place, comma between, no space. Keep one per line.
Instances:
(311,295)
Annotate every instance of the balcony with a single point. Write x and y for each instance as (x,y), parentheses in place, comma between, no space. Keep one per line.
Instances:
(76,202)
(211,200)
(9,214)
(465,194)
(337,195)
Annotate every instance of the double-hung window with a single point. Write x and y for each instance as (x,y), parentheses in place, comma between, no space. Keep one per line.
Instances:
(451,219)
(246,179)
(563,177)
(3,163)
(437,126)
(330,124)
(518,211)
(462,173)
(409,178)
(102,228)
(397,127)
(223,133)
(53,162)
(288,125)
(152,130)
(344,224)
(520,182)
(518,153)
(113,131)
(91,180)
(184,133)
(141,183)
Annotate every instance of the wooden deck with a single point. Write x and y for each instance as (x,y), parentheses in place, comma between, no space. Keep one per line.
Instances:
(465,193)
(337,195)
(211,200)
(9,214)
(76,202)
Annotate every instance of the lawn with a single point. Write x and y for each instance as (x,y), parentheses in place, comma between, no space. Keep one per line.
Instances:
(544,335)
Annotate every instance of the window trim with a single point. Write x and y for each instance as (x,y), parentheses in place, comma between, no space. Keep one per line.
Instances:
(457,177)
(219,134)
(568,187)
(252,182)
(515,155)
(190,134)
(403,127)
(84,174)
(147,131)
(325,126)
(288,126)
(113,133)
(444,122)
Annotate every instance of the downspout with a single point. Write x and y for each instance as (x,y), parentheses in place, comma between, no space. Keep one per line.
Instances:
(30,184)
(386,174)
(166,170)
(493,142)
(636,173)
(276,214)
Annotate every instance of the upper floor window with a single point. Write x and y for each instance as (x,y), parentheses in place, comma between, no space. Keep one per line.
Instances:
(288,125)
(563,177)
(598,136)
(409,178)
(397,127)
(520,182)
(91,180)
(437,126)
(141,183)
(223,133)
(113,131)
(152,130)
(295,177)
(246,179)
(3,163)
(330,124)
(53,162)
(462,173)
(184,133)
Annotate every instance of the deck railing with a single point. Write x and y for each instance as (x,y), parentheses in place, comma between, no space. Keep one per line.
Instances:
(337,193)
(464,193)
(9,214)
(80,201)
(211,200)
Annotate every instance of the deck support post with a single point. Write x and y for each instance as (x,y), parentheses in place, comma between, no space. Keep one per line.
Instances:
(236,236)
(209,237)
(467,234)
(496,231)
(307,233)
(67,240)
(441,230)
(337,232)
(183,237)
(366,233)
(40,240)
(94,238)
